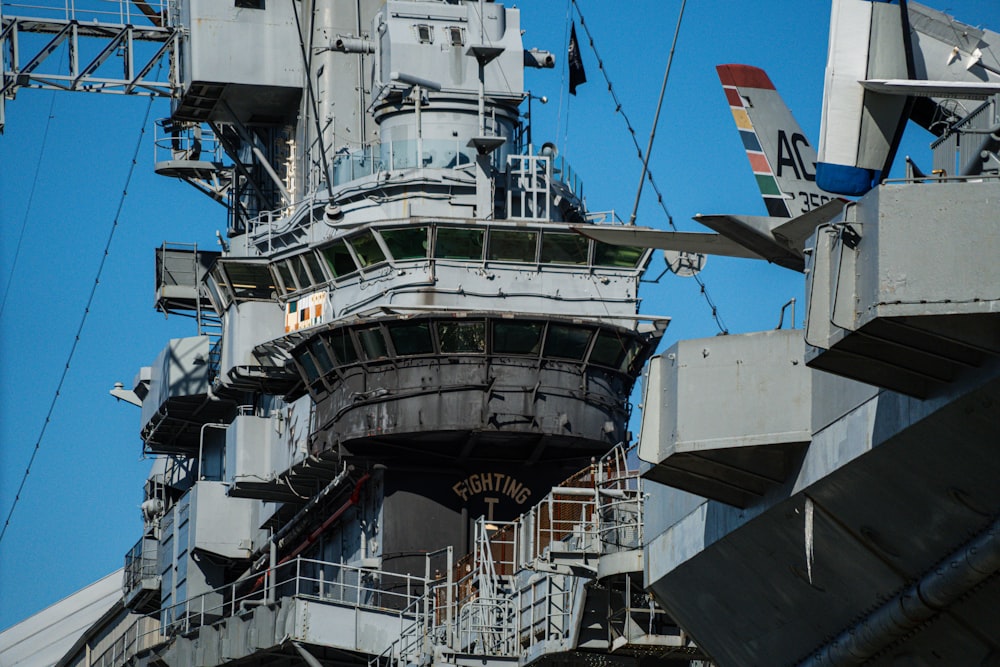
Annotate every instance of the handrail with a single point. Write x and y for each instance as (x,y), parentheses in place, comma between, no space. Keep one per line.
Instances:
(124,12)
(362,588)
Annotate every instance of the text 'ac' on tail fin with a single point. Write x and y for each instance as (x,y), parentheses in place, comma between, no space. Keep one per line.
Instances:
(781,157)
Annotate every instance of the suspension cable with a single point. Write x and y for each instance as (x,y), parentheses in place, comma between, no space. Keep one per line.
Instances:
(83,319)
(619,109)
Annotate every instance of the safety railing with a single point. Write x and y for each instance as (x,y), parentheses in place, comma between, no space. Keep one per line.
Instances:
(487,626)
(361,588)
(472,606)
(428,620)
(142,634)
(119,12)
(605,218)
(179,140)
(140,564)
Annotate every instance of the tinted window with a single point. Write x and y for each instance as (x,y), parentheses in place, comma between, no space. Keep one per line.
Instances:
(286,276)
(298,264)
(516,337)
(512,246)
(339,259)
(367,249)
(406,243)
(630,356)
(462,336)
(609,349)
(343,347)
(306,360)
(373,343)
(411,338)
(320,355)
(566,342)
(614,255)
(314,268)
(563,248)
(455,243)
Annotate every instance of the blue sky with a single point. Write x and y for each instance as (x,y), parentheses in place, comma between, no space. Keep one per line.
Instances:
(79,511)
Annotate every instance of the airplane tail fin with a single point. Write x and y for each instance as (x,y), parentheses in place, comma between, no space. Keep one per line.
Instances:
(861,128)
(782,159)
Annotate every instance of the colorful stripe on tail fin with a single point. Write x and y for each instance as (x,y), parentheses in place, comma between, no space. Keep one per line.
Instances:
(782,160)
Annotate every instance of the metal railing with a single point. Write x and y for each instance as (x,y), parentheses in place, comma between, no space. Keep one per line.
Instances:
(122,12)
(177,140)
(142,634)
(357,587)
(598,510)
(140,564)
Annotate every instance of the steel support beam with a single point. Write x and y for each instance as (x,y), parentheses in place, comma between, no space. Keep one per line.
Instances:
(84,74)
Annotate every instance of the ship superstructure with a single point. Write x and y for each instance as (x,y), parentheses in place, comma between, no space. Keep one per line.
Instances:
(401,332)
(399,437)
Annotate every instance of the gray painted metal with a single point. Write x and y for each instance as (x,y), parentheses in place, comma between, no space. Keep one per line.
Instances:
(218,80)
(888,465)
(895,301)
(710,425)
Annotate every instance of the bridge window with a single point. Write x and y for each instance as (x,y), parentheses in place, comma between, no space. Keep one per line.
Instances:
(285,276)
(312,263)
(301,273)
(618,256)
(215,295)
(321,356)
(306,361)
(411,338)
(338,259)
(456,337)
(408,243)
(630,356)
(373,343)
(343,347)
(513,246)
(564,248)
(609,350)
(250,281)
(455,243)
(517,337)
(218,280)
(566,342)
(367,249)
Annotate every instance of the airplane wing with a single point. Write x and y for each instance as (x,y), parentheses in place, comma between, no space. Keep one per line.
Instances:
(966,90)
(777,240)
(797,230)
(644,237)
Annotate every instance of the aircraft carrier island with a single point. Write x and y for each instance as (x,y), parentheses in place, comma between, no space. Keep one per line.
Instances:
(399,432)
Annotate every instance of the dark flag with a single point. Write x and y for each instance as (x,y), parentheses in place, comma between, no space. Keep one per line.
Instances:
(576,73)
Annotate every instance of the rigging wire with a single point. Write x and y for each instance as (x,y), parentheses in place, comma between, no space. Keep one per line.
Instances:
(307,64)
(31,199)
(619,109)
(83,319)
(656,117)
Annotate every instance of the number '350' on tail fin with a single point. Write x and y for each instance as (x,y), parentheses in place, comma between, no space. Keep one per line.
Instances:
(781,157)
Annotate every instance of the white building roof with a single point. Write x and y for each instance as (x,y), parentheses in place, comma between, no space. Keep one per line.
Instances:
(41,640)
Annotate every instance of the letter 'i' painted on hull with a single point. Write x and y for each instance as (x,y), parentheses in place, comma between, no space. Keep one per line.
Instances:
(733,78)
